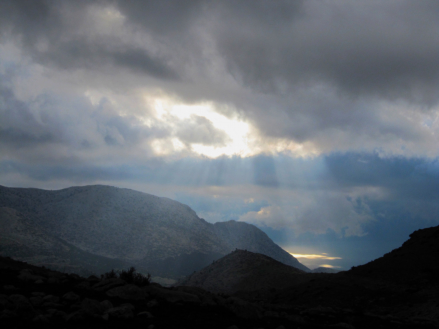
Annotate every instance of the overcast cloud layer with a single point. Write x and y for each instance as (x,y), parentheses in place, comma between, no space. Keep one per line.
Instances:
(315,120)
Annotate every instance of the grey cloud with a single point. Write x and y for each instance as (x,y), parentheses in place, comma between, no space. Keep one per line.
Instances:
(392,54)
(163,17)
(74,123)
(18,125)
(40,27)
(200,130)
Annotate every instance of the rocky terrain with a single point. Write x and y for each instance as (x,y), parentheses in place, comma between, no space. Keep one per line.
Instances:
(37,297)
(95,228)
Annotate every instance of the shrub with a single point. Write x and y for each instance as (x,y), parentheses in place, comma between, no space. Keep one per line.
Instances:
(130,276)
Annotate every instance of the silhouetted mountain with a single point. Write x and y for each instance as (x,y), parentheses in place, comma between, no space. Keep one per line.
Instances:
(248,237)
(120,226)
(415,262)
(243,271)
(324,270)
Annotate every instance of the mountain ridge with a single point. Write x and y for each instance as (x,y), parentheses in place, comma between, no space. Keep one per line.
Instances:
(140,228)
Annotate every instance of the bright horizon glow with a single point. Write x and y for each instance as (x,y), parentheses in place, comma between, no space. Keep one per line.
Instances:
(314,256)
(329,266)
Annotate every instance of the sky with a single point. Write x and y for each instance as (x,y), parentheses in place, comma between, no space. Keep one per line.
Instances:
(316,121)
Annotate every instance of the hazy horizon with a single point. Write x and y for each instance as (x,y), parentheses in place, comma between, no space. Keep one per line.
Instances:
(315,121)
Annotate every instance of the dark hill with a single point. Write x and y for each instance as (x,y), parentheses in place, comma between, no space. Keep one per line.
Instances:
(415,262)
(244,271)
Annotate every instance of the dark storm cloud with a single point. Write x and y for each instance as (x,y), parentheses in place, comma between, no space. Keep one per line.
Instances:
(388,49)
(39,26)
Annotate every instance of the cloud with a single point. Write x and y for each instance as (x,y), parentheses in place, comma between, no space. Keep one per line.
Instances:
(199,130)
(324,114)
(310,76)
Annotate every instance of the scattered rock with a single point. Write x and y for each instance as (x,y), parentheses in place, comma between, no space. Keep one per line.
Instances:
(9,287)
(242,308)
(129,291)
(108,284)
(121,312)
(106,304)
(27,276)
(71,297)
(22,305)
(152,303)
(145,314)
(40,318)
(36,301)
(84,285)
(7,314)
(91,307)
(50,299)
(172,296)
(343,326)
(56,316)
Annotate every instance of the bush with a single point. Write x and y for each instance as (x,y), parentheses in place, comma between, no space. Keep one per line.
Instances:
(130,276)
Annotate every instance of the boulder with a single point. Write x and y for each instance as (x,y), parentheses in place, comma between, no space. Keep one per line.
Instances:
(108,284)
(91,308)
(121,312)
(56,316)
(172,296)
(106,304)
(242,308)
(21,304)
(145,314)
(27,276)
(71,297)
(129,291)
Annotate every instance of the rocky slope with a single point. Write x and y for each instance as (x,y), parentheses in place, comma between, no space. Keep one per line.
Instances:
(243,270)
(118,225)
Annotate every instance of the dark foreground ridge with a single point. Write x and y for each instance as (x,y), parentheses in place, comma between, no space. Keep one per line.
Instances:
(36,297)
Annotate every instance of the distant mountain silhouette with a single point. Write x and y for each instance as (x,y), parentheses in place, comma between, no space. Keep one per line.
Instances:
(415,262)
(242,270)
(94,227)
(324,270)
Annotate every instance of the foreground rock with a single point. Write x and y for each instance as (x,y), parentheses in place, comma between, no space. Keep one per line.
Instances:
(70,301)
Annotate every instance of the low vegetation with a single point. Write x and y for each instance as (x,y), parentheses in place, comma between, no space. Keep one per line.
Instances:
(130,276)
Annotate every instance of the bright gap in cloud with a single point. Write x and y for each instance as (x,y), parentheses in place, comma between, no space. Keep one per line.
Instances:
(329,266)
(314,260)
(237,130)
